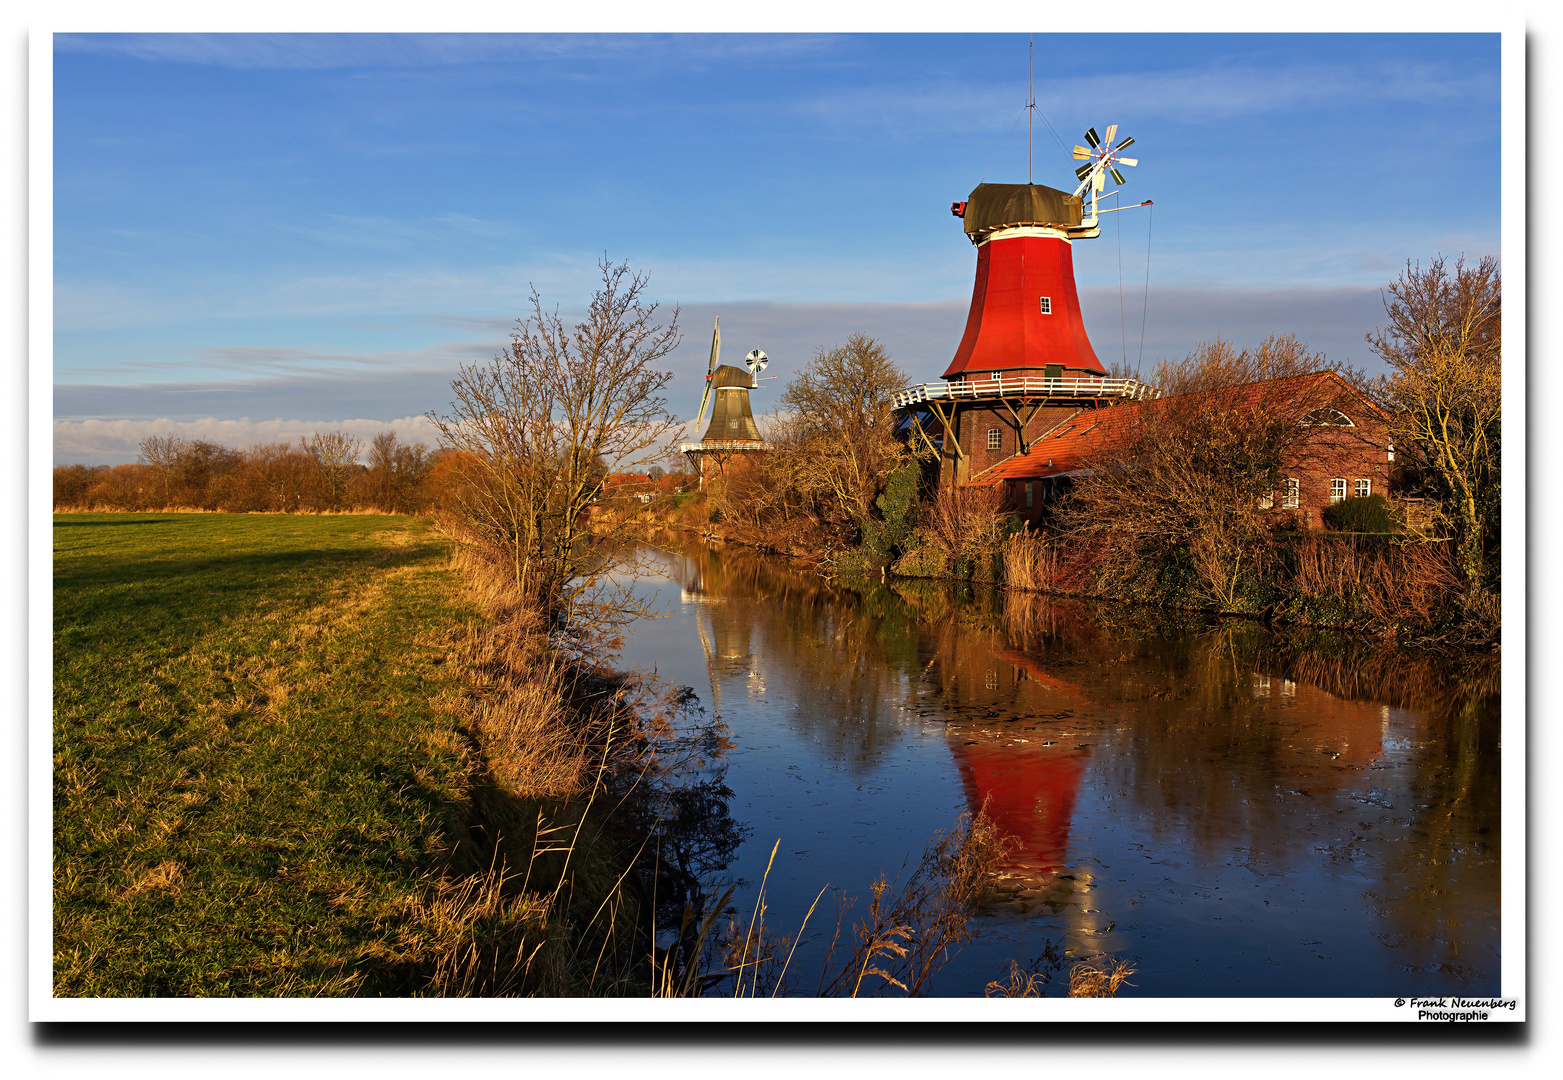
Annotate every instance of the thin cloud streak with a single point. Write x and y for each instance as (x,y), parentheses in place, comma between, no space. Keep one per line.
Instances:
(348,51)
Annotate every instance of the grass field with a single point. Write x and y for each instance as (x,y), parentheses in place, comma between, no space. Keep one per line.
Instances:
(253,780)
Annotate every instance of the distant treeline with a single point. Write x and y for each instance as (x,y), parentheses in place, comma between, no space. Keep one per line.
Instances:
(324,472)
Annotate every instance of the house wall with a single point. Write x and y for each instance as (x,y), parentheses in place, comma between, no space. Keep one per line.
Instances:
(975,421)
(1349,454)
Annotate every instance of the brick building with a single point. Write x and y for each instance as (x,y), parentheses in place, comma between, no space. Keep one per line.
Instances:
(1344,452)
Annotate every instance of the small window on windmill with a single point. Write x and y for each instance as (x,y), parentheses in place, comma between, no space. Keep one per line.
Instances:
(995,439)
(1046,305)
(1053,371)
(1028,494)
(733,424)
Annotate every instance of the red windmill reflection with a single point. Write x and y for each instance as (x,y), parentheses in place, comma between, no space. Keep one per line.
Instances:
(1027,785)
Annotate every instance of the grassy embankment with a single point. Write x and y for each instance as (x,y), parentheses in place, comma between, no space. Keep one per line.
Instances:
(274,767)
(250,778)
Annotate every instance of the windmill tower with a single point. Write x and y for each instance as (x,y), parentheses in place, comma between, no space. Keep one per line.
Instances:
(732,433)
(1024,363)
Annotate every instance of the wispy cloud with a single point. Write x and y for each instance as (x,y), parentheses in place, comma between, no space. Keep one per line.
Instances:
(348,51)
(1205,95)
(270,361)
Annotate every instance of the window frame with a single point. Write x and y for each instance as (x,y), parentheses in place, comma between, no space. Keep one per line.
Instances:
(1291,493)
(1362,487)
(1045,303)
(1327,416)
(1334,481)
(995,438)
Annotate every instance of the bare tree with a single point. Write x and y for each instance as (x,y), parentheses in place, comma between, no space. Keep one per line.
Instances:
(1190,473)
(162,452)
(535,432)
(396,468)
(336,452)
(1444,393)
(842,423)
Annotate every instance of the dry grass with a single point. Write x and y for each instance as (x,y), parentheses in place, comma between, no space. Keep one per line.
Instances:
(1393,583)
(1018,983)
(1088,981)
(518,691)
(913,929)
(1063,566)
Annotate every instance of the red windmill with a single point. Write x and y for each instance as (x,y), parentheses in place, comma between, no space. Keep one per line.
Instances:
(1025,361)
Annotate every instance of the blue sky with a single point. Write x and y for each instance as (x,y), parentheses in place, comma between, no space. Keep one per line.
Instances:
(258,235)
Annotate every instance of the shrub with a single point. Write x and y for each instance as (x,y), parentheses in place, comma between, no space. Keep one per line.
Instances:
(1360,514)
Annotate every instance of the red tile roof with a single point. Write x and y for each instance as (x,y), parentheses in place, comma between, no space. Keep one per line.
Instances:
(1067,448)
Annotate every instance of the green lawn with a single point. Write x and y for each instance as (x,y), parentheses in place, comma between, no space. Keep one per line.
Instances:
(251,779)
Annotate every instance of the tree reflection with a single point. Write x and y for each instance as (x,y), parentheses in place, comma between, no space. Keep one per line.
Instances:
(1298,754)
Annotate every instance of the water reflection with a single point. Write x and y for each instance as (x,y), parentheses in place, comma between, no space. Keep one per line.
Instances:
(1239,812)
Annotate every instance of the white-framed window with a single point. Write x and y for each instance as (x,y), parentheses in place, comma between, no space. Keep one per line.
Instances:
(1046,305)
(995,439)
(1289,493)
(1362,488)
(1266,501)
(733,424)
(997,375)
(1337,490)
(1028,494)
(1391,451)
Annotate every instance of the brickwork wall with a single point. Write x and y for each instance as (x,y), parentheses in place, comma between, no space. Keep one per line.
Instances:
(1349,454)
(977,421)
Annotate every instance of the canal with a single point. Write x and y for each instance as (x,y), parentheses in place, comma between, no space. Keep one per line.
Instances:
(1233,811)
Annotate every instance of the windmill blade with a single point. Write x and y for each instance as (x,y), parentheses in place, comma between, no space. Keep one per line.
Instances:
(1082,154)
(1112,129)
(1092,138)
(1118,176)
(1082,170)
(1126,143)
(1128,161)
(716,356)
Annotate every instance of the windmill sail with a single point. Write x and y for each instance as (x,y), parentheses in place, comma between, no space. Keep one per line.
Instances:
(716,353)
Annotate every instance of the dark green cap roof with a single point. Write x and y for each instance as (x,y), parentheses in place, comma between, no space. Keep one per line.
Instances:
(997,206)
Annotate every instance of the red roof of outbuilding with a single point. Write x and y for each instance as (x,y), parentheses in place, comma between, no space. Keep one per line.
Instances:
(1071,444)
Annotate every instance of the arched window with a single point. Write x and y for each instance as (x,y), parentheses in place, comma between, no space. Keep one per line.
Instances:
(1327,418)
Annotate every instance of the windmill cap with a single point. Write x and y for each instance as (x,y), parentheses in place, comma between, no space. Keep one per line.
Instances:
(727,375)
(999,206)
